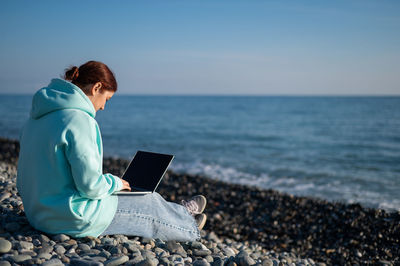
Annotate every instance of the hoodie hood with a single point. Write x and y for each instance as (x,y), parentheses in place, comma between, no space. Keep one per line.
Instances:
(60,94)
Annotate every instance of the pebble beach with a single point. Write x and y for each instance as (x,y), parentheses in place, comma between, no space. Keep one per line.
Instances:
(246,226)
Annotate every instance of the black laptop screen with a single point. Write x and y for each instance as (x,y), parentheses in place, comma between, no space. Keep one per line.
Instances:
(146,169)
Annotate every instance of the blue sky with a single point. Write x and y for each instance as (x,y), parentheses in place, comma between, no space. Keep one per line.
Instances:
(207,47)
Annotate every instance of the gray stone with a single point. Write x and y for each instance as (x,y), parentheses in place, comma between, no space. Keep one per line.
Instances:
(71,251)
(60,238)
(25,245)
(244,260)
(174,247)
(196,245)
(165,261)
(131,247)
(72,242)
(46,256)
(176,258)
(81,262)
(47,249)
(5,246)
(84,247)
(159,251)
(98,258)
(105,254)
(115,250)
(117,260)
(108,241)
(136,259)
(4,263)
(202,252)
(59,249)
(209,258)
(159,243)
(228,252)
(53,262)
(147,254)
(4,195)
(148,262)
(188,260)
(30,253)
(201,262)
(213,237)
(44,238)
(21,258)
(91,252)
(218,261)
(267,262)
(147,240)
(36,242)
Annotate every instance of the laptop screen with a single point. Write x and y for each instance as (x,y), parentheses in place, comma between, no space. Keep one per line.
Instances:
(146,170)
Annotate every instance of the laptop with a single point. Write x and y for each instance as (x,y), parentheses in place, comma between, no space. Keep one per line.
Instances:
(145,171)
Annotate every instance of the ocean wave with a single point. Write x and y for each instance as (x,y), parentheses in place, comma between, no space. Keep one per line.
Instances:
(329,188)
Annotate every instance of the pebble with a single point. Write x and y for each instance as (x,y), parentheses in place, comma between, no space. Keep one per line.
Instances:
(46,256)
(4,263)
(201,252)
(225,245)
(117,261)
(136,259)
(53,262)
(201,262)
(245,261)
(5,246)
(105,254)
(218,261)
(83,262)
(4,195)
(21,258)
(228,252)
(98,258)
(148,262)
(60,250)
(84,247)
(47,249)
(25,245)
(60,238)
(267,262)
(176,248)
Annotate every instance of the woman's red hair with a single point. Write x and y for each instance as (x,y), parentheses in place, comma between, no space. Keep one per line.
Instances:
(90,73)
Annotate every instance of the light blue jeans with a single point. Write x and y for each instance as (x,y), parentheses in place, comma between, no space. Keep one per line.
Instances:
(151,216)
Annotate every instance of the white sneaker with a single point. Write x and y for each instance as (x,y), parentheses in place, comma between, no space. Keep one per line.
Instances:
(195,205)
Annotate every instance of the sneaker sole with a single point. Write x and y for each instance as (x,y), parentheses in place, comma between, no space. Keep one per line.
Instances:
(202,221)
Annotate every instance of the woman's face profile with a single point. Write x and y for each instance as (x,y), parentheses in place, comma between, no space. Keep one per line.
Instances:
(98,96)
(101,99)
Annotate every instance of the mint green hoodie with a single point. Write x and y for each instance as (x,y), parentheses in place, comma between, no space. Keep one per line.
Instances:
(60,169)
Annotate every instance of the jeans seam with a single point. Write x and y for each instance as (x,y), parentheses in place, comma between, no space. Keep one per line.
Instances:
(150,218)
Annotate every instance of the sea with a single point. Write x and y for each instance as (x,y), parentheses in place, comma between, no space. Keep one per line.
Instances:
(342,149)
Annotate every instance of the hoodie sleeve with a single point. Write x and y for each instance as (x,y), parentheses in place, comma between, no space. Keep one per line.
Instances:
(85,159)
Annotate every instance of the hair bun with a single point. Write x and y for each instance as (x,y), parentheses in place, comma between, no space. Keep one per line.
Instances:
(72,73)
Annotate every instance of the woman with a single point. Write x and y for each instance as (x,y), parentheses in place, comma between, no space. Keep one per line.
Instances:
(60,172)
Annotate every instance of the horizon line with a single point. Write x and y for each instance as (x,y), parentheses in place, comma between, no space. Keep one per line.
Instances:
(227,95)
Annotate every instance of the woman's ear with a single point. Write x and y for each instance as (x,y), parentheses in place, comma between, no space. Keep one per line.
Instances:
(96,88)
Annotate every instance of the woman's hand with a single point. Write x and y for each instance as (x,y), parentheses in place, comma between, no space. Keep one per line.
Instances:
(125,185)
